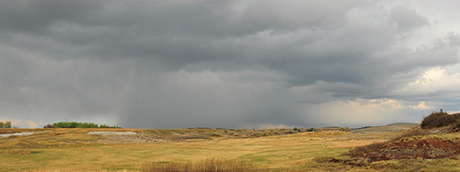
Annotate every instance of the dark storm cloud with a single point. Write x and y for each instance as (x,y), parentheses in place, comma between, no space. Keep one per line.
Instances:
(210,63)
(36,16)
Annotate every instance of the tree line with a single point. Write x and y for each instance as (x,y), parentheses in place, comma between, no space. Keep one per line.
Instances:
(6,124)
(77,125)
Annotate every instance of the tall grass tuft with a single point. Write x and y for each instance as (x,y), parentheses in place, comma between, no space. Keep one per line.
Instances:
(208,165)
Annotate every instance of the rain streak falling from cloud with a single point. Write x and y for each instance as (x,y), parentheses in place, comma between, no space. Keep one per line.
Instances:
(227,64)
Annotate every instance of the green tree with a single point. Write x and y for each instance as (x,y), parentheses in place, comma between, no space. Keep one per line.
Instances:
(6,124)
(79,125)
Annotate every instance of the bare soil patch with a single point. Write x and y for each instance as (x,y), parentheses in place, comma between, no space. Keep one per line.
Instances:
(19,134)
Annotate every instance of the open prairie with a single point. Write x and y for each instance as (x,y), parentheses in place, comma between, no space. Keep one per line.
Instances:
(134,149)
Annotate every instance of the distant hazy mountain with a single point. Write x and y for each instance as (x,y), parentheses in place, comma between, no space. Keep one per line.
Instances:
(402,124)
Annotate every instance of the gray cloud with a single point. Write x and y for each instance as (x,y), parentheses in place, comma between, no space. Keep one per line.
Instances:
(174,64)
(36,17)
(407,19)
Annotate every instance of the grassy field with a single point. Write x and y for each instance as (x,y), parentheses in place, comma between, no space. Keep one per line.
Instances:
(74,150)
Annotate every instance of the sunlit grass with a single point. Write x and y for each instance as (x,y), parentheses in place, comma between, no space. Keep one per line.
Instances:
(208,165)
(277,153)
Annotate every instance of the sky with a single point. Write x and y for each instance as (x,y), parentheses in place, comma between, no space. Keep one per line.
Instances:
(228,63)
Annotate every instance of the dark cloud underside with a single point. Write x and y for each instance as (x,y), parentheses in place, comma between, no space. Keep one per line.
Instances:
(174,64)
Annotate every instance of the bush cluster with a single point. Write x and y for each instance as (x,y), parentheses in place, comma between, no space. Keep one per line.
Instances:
(377,146)
(77,125)
(6,124)
(439,119)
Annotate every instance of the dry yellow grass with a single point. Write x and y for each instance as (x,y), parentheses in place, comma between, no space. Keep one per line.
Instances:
(208,165)
(286,152)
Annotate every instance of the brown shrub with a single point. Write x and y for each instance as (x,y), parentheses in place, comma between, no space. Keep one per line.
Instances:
(407,148)
(401,149)
(49,126)
(432,148)
(366,149)
(439,119)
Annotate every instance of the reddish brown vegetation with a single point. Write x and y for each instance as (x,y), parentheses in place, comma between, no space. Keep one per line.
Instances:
(410,146)
(363,151)
(431,148)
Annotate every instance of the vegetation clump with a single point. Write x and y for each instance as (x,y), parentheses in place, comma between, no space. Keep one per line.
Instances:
(440,119)
(6,124)
(77,125)
(407,148)
(414,144)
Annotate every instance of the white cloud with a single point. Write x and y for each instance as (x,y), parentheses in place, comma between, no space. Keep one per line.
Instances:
(422,106)
(434,80)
